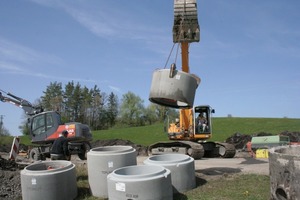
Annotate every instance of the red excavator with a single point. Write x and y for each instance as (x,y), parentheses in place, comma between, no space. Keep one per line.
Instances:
(46,126)
(188,133)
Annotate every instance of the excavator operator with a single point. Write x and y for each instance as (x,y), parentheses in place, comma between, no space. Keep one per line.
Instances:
(201,123)
(59,150)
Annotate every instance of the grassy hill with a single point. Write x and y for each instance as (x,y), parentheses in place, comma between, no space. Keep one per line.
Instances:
(223,127)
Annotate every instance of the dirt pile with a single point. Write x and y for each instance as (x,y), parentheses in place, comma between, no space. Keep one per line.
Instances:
(8,164)
(240,140)
(294,136)
(10,186)
(7,148)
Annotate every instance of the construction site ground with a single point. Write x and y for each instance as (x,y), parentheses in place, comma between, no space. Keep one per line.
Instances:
(206,168)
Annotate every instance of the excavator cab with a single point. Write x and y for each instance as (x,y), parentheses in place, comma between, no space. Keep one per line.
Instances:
(43,125)
(193,124)
(202,122)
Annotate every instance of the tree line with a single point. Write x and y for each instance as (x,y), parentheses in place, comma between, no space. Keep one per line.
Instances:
(97,109)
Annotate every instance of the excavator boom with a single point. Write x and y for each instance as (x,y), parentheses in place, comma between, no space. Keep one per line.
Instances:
(22,103)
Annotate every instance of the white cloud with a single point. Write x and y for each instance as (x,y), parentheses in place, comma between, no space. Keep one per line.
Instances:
(114,88)
(15,52)
(10,67)
(18,59)
(95,24)
(25,56)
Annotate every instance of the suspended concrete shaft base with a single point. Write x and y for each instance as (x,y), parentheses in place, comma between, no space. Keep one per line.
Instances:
(173,88)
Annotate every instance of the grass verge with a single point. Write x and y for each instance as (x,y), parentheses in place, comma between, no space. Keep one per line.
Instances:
(230,187)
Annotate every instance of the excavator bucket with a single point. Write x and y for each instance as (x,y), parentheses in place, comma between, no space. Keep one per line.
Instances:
(186,27)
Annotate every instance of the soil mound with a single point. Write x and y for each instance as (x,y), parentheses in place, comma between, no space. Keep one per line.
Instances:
(240,140)
(294,136)
(10,186)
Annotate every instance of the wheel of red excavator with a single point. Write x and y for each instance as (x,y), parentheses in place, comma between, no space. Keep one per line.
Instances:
(86,147)
(35,154)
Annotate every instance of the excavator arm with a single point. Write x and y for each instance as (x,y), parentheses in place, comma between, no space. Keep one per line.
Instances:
(185,30)
(22,103)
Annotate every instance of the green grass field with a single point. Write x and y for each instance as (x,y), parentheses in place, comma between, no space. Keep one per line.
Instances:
(230,187)
(223,127)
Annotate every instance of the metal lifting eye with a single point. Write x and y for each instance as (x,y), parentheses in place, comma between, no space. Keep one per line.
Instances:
(172,70)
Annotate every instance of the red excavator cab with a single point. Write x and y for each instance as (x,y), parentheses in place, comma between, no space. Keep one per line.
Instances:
(45,127)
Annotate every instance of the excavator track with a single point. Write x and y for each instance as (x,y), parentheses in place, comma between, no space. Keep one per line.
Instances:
(193,149)
(226,150)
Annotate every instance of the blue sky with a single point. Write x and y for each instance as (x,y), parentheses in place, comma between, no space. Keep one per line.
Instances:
(248,57)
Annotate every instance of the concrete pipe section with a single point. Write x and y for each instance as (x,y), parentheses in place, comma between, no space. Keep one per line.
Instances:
(103,160)
(49,180)
(173,88)
(182,169)
(140,182)
(284,165)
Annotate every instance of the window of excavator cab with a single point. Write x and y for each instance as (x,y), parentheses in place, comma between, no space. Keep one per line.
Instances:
(38,125)
(202,121)
(49,121)
(58,119)
(42,123)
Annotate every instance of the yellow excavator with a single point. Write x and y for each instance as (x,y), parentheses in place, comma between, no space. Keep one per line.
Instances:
(188,133)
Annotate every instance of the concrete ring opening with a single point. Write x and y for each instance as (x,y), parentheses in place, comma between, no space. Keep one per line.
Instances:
(281,194)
